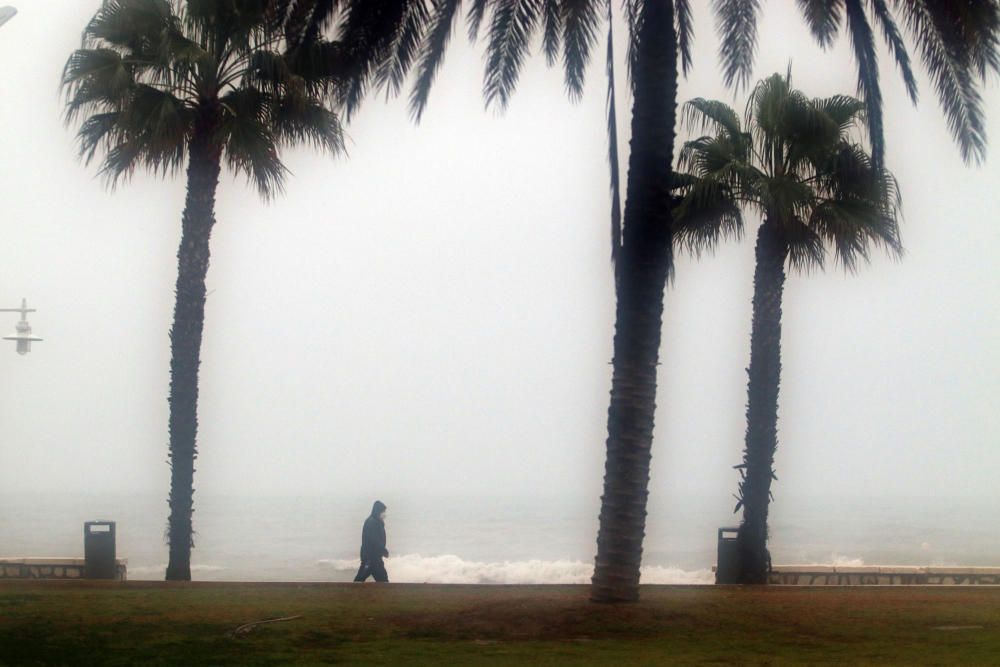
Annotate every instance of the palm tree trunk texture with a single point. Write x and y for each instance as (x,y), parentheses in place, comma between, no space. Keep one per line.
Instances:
(762,403)
(644,265)
(185,338)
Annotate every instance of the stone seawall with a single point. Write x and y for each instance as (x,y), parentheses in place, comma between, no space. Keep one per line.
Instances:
(883,575)
(53,568)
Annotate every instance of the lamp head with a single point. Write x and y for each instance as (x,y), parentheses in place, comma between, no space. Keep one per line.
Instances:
(23,337)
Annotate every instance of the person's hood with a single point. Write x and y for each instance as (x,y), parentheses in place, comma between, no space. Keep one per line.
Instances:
(378,508)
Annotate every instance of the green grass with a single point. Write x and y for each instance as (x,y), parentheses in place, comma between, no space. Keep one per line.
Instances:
(147,623)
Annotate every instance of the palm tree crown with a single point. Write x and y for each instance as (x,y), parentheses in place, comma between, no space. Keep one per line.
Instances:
(792,162)
(151,74)
(958,42)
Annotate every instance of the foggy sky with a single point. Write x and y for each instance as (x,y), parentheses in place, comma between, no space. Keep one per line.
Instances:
(434,312)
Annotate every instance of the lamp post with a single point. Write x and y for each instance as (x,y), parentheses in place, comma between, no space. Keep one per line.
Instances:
(6,14)
(22,335)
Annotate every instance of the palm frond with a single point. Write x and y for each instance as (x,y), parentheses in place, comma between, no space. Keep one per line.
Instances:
(703,115)
(307,121)
(972,27)
(843,110)
(896,46)
(304,21)
(368,31)
(552,29)
(684,26)
(863,43)
(823,18)
(736,23)
(580,20)
(949,52)
(510,33)
(95,78)
(805,247)
(392,71)
(613,166)
(129,24)
(249,141)
(270,70)
(633,19)
(718,158)
(787,199)
(707,214)
(120,162)
(100,131)
(768,106)
(803,176)
(324,13)
(432,54)
(477,11)
(860,206)
(322,65)
(163,123)
(162,72)
(296,21)
(150,131)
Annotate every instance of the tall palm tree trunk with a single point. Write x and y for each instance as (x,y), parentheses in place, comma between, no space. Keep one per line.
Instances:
(185,337)
(762,403)
(644,264)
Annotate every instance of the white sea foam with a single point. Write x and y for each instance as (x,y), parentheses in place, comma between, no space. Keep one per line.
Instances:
(451,569)
(140,570)
(846,561)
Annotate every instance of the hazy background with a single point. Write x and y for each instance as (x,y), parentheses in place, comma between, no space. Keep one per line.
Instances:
(434,313)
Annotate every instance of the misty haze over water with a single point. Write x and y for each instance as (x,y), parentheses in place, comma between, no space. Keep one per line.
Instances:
(466,539)
(381,331)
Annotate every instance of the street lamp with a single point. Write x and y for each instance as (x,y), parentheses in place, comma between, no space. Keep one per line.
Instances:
(6,14)
(22,335)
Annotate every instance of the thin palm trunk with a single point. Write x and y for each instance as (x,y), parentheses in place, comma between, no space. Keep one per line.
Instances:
(645,262)
(185,338)
(762,403)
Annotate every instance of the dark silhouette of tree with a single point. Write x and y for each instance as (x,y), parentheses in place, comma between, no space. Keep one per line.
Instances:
(792,163)
(160,82)
(642,245)
(957,41)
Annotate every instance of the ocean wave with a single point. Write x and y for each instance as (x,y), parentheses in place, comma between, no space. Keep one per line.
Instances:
(846,561)
(451,569)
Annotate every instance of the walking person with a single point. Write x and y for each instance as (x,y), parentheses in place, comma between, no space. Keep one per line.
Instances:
(373,546)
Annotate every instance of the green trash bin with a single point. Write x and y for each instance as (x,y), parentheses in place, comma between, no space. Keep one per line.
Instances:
(99,557)
(728,560)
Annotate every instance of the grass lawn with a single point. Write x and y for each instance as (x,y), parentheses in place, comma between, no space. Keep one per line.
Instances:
(154,623)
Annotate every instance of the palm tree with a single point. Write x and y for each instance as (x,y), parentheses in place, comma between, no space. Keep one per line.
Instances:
(957,41)
(792,163)
(158,81)
(642,244)
(645,259)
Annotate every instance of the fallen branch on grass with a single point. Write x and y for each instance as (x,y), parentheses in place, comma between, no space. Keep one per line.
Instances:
(247,627)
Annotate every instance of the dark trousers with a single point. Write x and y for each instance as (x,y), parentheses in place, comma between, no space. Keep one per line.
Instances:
(374,568)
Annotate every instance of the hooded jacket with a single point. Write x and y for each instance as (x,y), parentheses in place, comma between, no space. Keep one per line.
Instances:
(373,535)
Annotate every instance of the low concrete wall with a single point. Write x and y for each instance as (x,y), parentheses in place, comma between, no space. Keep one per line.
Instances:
(883,575)
(52,568)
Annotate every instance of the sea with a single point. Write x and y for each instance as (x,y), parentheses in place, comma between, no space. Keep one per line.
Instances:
(494,540)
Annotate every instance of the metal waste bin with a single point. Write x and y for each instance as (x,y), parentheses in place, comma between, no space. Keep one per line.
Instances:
(728,560)
(99,550)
